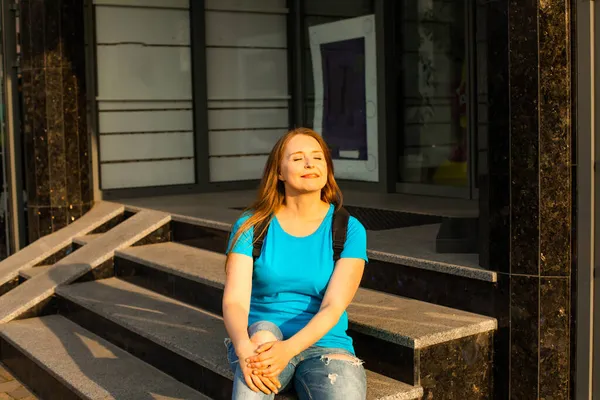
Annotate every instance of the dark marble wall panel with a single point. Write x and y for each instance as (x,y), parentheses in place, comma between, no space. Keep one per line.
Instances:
(523,75)
(59,218)
(501,371)
(45,219)
(494,182)
(555,138)
(524,346)
(469,358)
(52,39)
(533,343)
(57,163)
(58,168)
(71,129)
(41,173)
(37,29)
(554,338)
(25,34)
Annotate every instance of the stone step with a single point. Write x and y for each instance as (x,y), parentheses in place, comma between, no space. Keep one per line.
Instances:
(396,336)
(182,340)
(401,261)
(57,358)
(23,300)
(28,273)
(83,240)
(55,246)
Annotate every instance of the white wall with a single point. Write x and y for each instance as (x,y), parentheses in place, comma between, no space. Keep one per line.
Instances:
(144,80)
(247,84)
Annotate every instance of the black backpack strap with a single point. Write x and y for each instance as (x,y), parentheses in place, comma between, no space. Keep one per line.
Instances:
(338,231)
(260,231)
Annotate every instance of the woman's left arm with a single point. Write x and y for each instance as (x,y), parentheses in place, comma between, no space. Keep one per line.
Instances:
(341,290)
(274,356)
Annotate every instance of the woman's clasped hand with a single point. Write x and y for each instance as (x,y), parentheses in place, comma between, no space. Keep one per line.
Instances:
(271,359)
(254,377)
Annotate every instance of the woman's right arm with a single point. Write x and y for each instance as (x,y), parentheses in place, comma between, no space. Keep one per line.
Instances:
(236,300)
(236,307)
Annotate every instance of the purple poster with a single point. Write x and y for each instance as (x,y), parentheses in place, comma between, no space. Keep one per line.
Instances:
(344,125)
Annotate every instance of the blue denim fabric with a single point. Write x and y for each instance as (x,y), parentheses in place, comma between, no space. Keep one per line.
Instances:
(311,373)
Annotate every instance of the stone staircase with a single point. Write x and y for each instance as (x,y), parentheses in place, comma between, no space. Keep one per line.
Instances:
(129,307)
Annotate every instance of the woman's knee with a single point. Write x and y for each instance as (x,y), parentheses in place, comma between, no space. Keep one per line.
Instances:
(264,331)
(261,337)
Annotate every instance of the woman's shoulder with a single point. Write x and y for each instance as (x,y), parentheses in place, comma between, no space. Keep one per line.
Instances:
(245,216)
(355,225)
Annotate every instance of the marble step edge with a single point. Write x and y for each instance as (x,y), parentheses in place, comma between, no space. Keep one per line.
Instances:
(83,294)
(28,273)
(431,323)
(44,247)
(64,350)
(40,287)
(394,258)
(83,240)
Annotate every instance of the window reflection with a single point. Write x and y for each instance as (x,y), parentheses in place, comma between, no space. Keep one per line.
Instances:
(433,145)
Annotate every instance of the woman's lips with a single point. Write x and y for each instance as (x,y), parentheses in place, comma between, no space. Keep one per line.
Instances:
(310,176)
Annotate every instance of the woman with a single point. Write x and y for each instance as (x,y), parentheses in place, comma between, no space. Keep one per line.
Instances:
(285,312)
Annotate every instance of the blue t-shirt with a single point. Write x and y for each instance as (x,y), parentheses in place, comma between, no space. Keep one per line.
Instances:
(292,273)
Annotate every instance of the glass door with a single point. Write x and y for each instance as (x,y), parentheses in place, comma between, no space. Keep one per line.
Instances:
(435,143)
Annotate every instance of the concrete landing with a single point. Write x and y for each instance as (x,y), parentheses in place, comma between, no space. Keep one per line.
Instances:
(189,331)
(46,246)
(400,320)
(76,264)
(90,366)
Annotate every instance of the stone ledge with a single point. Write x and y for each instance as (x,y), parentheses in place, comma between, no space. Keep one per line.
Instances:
(89,365)
(83,240)
(189,331)
(408,322)
(46,246)
(382,245)
(76,264)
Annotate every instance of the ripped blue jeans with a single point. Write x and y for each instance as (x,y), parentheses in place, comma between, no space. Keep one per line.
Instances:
(312,373)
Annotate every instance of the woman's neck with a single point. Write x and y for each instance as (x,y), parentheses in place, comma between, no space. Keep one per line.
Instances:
(304,206)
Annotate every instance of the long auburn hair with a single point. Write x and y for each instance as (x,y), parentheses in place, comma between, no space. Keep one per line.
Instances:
(271,192)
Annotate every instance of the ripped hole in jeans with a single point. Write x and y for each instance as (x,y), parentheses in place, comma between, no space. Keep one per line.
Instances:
(326,358)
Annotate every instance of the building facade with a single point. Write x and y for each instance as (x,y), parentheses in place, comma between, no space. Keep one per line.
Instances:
(490,101)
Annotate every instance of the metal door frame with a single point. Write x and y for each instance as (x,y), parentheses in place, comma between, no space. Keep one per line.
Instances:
(12,131)
(587,339)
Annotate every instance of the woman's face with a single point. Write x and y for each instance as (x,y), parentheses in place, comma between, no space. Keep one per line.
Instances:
(303,167)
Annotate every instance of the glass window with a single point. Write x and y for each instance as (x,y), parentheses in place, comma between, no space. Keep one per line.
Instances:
(340,82)
(433,146)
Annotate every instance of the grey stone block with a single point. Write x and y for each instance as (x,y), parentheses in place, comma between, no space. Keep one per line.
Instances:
(48,245)
(83,240)
(401,320)
(189,331)
(29,273)
(76,264)
(413,246)
(89,365)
